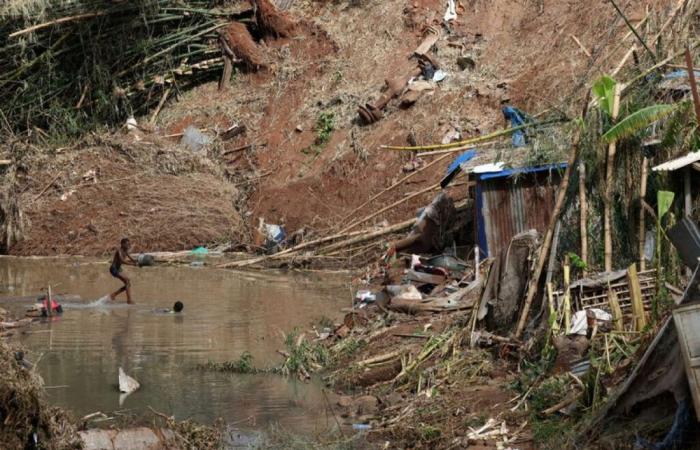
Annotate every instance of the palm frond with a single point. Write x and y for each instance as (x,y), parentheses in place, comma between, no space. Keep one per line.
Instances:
(639,120)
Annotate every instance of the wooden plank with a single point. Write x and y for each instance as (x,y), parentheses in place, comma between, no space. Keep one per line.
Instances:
(616,311)
(687,320)
(640,319)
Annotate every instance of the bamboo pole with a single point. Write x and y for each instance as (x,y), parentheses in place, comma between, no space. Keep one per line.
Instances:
(289,251)
(394,186)
(542,256)
(566,304)
(363,235)
(633,30)
(166,93)
(640,319)
(56,22)
(607,213)
(584,213)
(693,84)
(615,310)
(581,46)
(658,65)
(392,206)
(553,320)
(475,140)
(642,218)
(364,238)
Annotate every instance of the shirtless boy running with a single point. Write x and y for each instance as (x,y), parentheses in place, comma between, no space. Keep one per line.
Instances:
(121,256)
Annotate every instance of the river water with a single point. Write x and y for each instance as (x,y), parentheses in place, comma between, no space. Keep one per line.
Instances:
(225,314)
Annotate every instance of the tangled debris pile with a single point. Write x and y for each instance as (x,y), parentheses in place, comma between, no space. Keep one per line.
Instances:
(26,419)
(115,60)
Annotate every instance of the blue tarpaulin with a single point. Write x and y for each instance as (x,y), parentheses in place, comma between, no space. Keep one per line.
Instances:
(680,74)
(456,165)
(517,119)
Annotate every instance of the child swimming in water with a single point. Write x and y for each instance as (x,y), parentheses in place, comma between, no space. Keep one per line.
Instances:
(177,307)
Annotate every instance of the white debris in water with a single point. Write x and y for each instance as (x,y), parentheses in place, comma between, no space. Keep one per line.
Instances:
(127,384)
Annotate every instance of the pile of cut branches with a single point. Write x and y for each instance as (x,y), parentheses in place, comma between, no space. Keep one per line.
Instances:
(70,65)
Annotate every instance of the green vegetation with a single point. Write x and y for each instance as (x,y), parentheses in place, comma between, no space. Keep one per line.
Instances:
(429,432)
(244,364)
(325,125)
(301,356)
(69,67)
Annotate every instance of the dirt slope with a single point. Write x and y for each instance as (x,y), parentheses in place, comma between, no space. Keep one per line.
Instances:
(523,52)
(337,59)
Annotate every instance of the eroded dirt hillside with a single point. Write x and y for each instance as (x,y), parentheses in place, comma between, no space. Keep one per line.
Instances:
(305,159)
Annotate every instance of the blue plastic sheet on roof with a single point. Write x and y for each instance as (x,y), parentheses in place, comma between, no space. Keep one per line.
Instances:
(464,157)
(456,165)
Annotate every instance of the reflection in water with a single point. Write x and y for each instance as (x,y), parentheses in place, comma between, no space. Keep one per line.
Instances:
(225,314)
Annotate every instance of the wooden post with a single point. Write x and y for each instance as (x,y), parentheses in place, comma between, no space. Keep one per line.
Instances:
(618,323)
(553,319)
(693,84)
(642,224)
(49,310)
(477,256)
(640,320)
(584,212)
(546,244)
(607,213)
(567,294)
(686,185)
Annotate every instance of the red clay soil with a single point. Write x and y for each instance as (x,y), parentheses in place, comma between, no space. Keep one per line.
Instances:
(176,203)
(523,53)
(339,58)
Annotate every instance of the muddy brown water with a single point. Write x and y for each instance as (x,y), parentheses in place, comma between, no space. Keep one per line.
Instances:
(226,313)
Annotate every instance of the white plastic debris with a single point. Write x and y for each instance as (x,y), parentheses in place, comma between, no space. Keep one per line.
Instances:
(489,168)
(451,13)
(131,123)
(579,321)
(127,385)
(366,296)
(439,75)
(194,139)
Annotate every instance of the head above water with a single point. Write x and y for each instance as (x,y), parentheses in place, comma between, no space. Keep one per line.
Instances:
(177,307)
(124,243)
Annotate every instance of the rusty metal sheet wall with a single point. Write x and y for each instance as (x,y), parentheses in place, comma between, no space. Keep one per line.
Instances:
(516,204)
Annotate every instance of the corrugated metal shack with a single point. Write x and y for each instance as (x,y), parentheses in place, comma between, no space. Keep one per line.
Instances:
(512,201)
(507,201)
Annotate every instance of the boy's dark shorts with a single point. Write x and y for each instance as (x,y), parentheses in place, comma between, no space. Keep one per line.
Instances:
(114,271)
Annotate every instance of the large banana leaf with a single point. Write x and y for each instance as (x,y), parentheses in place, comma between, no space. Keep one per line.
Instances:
(604,91)
(639,120)
(664,201)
